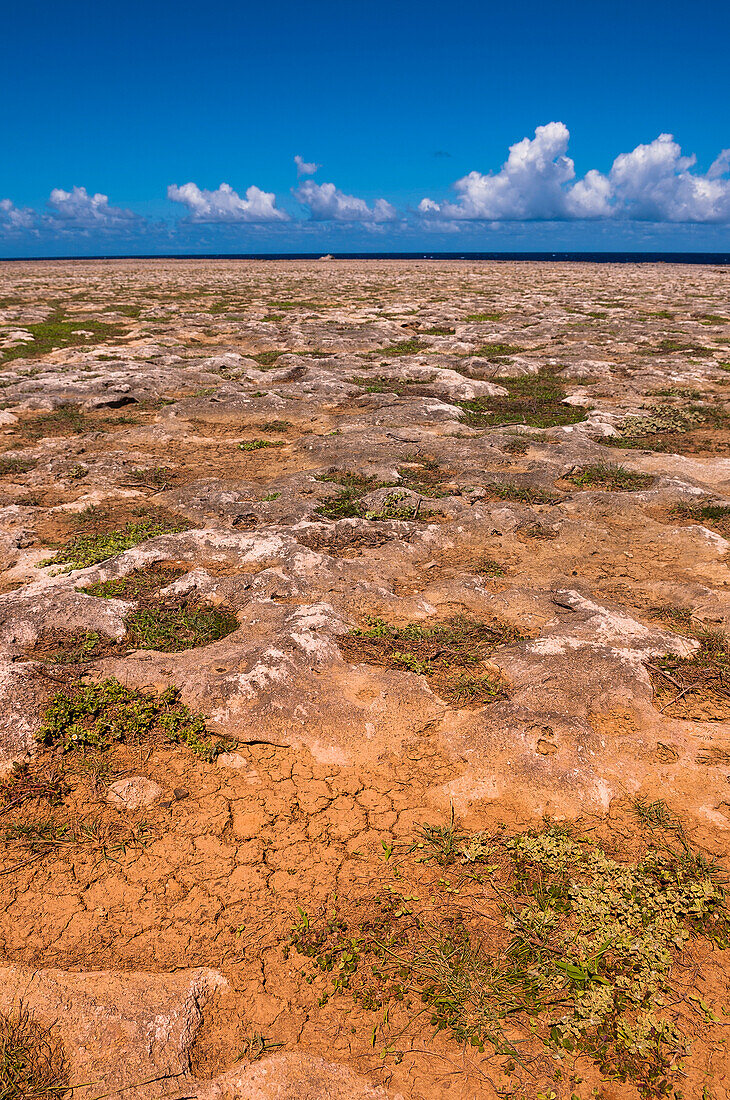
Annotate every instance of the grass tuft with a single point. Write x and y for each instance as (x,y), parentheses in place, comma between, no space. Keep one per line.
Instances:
(32,1061)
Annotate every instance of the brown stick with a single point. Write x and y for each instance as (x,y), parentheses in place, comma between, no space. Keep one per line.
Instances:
(666,675)
(676,697)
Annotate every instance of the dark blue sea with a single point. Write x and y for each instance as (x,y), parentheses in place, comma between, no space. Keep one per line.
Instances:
(715,258)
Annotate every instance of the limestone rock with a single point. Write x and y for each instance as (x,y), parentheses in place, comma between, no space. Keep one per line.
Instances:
(292,1076)
(134,793)
(119,1030)
(231,760)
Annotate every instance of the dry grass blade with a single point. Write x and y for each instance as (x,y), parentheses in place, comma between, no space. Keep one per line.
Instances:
(702,681)
(32,1062)
(27,783)
(47,836)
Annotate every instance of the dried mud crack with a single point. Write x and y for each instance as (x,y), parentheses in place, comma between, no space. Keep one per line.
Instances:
(364,680)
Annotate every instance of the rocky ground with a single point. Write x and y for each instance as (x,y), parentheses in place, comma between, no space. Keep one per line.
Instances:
(363,670)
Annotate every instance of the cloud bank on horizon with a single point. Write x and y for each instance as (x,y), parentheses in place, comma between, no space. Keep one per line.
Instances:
(653,183)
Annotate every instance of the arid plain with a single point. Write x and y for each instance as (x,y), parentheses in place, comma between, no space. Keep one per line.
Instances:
(364,678)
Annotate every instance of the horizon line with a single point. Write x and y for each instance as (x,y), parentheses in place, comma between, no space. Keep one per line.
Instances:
(585,255)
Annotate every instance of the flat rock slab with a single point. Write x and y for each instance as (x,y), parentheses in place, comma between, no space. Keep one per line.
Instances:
(131,1033)
(292,1077)
(121,1031)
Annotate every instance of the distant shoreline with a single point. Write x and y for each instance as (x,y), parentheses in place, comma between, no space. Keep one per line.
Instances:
(714,258)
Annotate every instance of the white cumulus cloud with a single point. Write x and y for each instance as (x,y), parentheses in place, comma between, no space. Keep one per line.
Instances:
(327,203)
(15,219)
(530,184)
(720,165)
(78,210)
(226,205)
(654,182)
(589,197)
(305,167)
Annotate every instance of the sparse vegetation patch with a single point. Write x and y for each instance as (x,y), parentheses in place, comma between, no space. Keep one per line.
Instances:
(259,444)
(49,835)
(266,359)
(59,332)
(523,494)
(513,943)
(453,655)
(152,477)
(347,503)
(44,781)
(714,516)
(405,347)
(67,647)
(171,629)
(274,426)
(665,426)
(423,475)
(10,464)
(168,623)
(89,549)
(95,716)
(607,476)
(669,346)
(398,505)
(398,386)
(696,687)
(142,584)
(65,420)
(420,475)
(536,400)
(497,353)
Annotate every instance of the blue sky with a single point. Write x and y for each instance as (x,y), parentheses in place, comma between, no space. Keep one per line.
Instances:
(121,123)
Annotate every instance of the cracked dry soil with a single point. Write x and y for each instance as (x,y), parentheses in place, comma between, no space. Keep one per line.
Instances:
(417,543)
